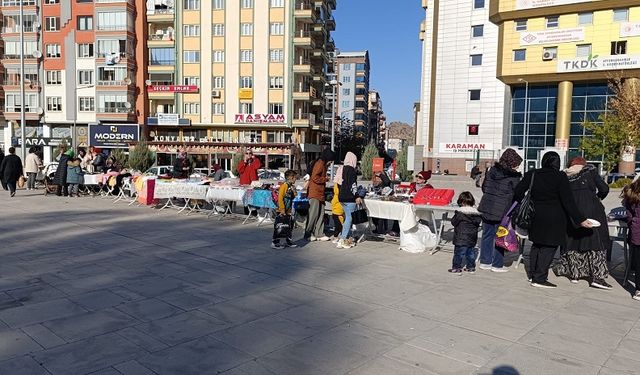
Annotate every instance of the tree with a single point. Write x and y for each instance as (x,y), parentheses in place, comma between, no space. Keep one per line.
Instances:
(120,157)
(141,157)
(237,158)
(626,105)
(401,163)
(607,139)
(366,162)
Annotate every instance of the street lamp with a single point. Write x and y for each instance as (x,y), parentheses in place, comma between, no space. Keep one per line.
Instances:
(334,84)
(74,138)
(23,146)
(526,117)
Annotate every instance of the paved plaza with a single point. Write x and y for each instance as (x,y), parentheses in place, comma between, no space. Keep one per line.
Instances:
(92,287)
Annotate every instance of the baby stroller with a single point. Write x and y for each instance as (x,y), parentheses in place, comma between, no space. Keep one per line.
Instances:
(47,175)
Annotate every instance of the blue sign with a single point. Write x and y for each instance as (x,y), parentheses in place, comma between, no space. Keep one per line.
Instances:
(113,136)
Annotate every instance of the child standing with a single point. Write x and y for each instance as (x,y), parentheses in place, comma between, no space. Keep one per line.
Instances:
(337,212)
(74,176)
(466,222)
(286,195)
(631,197)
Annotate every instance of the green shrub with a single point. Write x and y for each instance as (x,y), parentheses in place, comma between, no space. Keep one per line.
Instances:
(620,183)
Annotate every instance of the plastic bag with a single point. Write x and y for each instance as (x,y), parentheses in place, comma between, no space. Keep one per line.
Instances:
(417,239)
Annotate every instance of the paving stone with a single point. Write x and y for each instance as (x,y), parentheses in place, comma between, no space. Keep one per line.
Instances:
(359,338)
(425,358)
(400,325)
(98,300)
(141,339)
(155,286)
(43,336)
(36,293)
(182,327)
(14,343)
(81,326)
(384,365)
(149,309)
(39,312)
(24,365)
(245,309)
(189,299)
(252,339)
(133,368)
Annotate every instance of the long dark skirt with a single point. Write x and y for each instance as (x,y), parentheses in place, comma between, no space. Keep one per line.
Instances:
(582,265)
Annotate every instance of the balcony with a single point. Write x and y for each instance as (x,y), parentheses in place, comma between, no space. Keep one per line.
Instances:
(161,38)
(16,29)
(161,15)
(304,11)
(330,45)
(302,65)
(28,57)
(302,39)
(114,113)
(302,120)
(162,65)
(12,112)
(330,23)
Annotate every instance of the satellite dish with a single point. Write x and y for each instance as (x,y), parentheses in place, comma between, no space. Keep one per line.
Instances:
(37,54)
(40,110)
(147,82)
(36,25)
(127,105)
(127,81)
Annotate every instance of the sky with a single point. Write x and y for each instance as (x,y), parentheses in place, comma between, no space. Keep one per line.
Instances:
(389,31)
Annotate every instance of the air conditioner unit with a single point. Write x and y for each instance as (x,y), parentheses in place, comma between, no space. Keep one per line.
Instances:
(547,56)
(215,93)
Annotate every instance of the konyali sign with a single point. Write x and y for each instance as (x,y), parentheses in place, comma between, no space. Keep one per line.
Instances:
(113,136)
(597,63)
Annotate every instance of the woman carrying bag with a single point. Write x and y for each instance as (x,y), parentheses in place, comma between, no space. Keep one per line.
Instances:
(348,198)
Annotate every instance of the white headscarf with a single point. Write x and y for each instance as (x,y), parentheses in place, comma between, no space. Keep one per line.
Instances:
(337,178)
(351,159)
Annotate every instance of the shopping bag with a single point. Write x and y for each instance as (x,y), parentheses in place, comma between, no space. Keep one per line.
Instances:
(282,226)
(21,182)
(417,239)
(506,237)
(359,216)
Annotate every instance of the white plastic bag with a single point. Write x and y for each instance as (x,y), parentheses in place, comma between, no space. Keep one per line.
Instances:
(417,239)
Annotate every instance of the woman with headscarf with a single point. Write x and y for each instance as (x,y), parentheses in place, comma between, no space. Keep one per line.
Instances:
(348,198)
(497,196)
(314,229)
(552,202)
(60,178)
(585,256)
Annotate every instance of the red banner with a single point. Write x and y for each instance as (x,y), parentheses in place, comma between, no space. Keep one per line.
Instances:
(173,88)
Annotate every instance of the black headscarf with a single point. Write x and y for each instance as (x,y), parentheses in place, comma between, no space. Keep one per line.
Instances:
(510,159)
(327,155)
(551,160)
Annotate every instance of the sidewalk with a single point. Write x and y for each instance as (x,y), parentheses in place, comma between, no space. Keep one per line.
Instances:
(89,287)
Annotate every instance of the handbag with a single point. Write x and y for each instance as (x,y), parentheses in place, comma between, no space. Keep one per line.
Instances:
(282,226)
(506,237)
(359,216)
(526,211)
(21,182)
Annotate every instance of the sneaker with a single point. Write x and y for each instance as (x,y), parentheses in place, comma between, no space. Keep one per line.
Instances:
(485,266)
(276,246)
(499,269)
(544,284)
(335,239)
(13,193)
(601,284)
(343,244)
(636,296)
(323,238)
(574,281)
(312,238)
(290,244)
(455,271)
(469,270)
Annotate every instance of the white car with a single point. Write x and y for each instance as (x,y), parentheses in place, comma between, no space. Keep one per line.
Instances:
(159,170)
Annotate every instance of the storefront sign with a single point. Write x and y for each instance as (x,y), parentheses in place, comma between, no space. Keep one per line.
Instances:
(113,136)
(168,118)
(551,36)
(596,63)
(465,147)
(529,4)
(173,88)
(41,141)
(628,29)
(259,118)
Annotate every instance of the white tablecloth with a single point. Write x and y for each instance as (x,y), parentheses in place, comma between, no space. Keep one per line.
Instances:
(403,212)
(226,194)
(93,179)
(186,190)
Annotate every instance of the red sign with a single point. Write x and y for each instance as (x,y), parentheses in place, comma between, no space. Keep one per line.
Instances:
(259,118)
(173,88)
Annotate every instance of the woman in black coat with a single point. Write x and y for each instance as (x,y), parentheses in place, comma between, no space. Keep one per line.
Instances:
(585,256)
(60,177)
(10,171)
(555,210)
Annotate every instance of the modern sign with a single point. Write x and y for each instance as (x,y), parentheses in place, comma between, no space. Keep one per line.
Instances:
(628,29)
(173,88)
(551,36)
(113,136)
(597,63)
(41,141)
(259,118)
(168,119)
(465,147)
(529,4)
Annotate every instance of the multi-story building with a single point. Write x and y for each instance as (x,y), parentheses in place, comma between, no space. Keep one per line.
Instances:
(557,56)
(352,106)
(81,67)
(377,118)
(462,102)
(222,74)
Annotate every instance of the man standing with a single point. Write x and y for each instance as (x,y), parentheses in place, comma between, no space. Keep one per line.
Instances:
(314,230)
(10,171)
(248,168)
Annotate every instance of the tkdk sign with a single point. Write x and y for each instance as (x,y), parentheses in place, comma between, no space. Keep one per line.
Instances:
(259,118)
(113,136)
(596,63)
(465,147)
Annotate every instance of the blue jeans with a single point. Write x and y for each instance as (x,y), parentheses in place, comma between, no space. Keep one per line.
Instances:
(462,254)
(348,208)
(489,253)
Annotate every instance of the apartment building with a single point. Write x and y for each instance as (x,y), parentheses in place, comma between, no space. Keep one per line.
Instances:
(225,74)
(352,104)
(81,63)
(377,118)
(461,102)
(556,57)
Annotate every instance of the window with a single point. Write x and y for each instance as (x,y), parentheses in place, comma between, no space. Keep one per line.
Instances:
(191,108)
(549,51)
(246,82)
(218,82)
(52,1)
(246,29)
(246,107)
(277,28)
(85,50)
(474,94)
(85,23)
(112,20)
(346,91)
(54,103)
(12,102)
(276,108)
(218,29)
(54,77)
(345,103)
(346,79)
(346,66)
(86,104)
(583,50)
(360,66)
(85,77)
(585,18)
(276,55)
(521,25)
(191,56)
(162,56)
(476,60)
(519,54)
(477,31)
(246,55)
(113,104)
(276,3)
(621,15)
(473,129)
(52,23)
(478,4)
(247,4)
(218,56)
(218,4)
(110,46)
(192,81)
(619,47)
(218,108)
(276,82)
(112,75)
(191,30)
(53,50)
(552,22)
(191,4)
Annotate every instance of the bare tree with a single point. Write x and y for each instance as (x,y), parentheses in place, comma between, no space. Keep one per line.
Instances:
(626,105)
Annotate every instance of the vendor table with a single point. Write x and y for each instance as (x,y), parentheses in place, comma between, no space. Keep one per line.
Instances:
(179,189)
(224,196)
(92,183)
(435,213)
(256,200)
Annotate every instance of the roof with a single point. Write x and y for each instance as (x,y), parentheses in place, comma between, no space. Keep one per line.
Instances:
(353,54)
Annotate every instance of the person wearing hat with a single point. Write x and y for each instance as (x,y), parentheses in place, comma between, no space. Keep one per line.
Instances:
(420,182)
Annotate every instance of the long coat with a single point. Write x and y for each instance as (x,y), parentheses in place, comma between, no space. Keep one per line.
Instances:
(11,168)
(555,208)
(60,178)
(497,189)
(588,189)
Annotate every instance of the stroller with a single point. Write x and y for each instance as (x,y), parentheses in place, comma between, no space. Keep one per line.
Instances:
(46,177)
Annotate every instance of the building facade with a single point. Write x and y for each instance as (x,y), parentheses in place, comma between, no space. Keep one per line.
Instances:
(352,105)
(556,57)
(462,103)
(377,118)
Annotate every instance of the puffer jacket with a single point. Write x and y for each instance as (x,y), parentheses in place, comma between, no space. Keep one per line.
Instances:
(74,173)
(466,222)
(497,192)
(633,221)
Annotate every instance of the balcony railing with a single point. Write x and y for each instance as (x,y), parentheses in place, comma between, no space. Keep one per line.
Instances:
(121,110)
(111,83)
(112,28)
(27,55)
(300,60)
(16,3)
(160,83)
(16,108)
(303,5)
(113,1)
(16,29)
(301,116)
(162,62)
(12,82)
(302,34)
(159,12)
(163,36)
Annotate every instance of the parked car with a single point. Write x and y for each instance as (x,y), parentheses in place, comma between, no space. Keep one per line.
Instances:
(159,170)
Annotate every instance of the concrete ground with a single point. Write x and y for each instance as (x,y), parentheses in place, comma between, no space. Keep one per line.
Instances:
(91,287)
